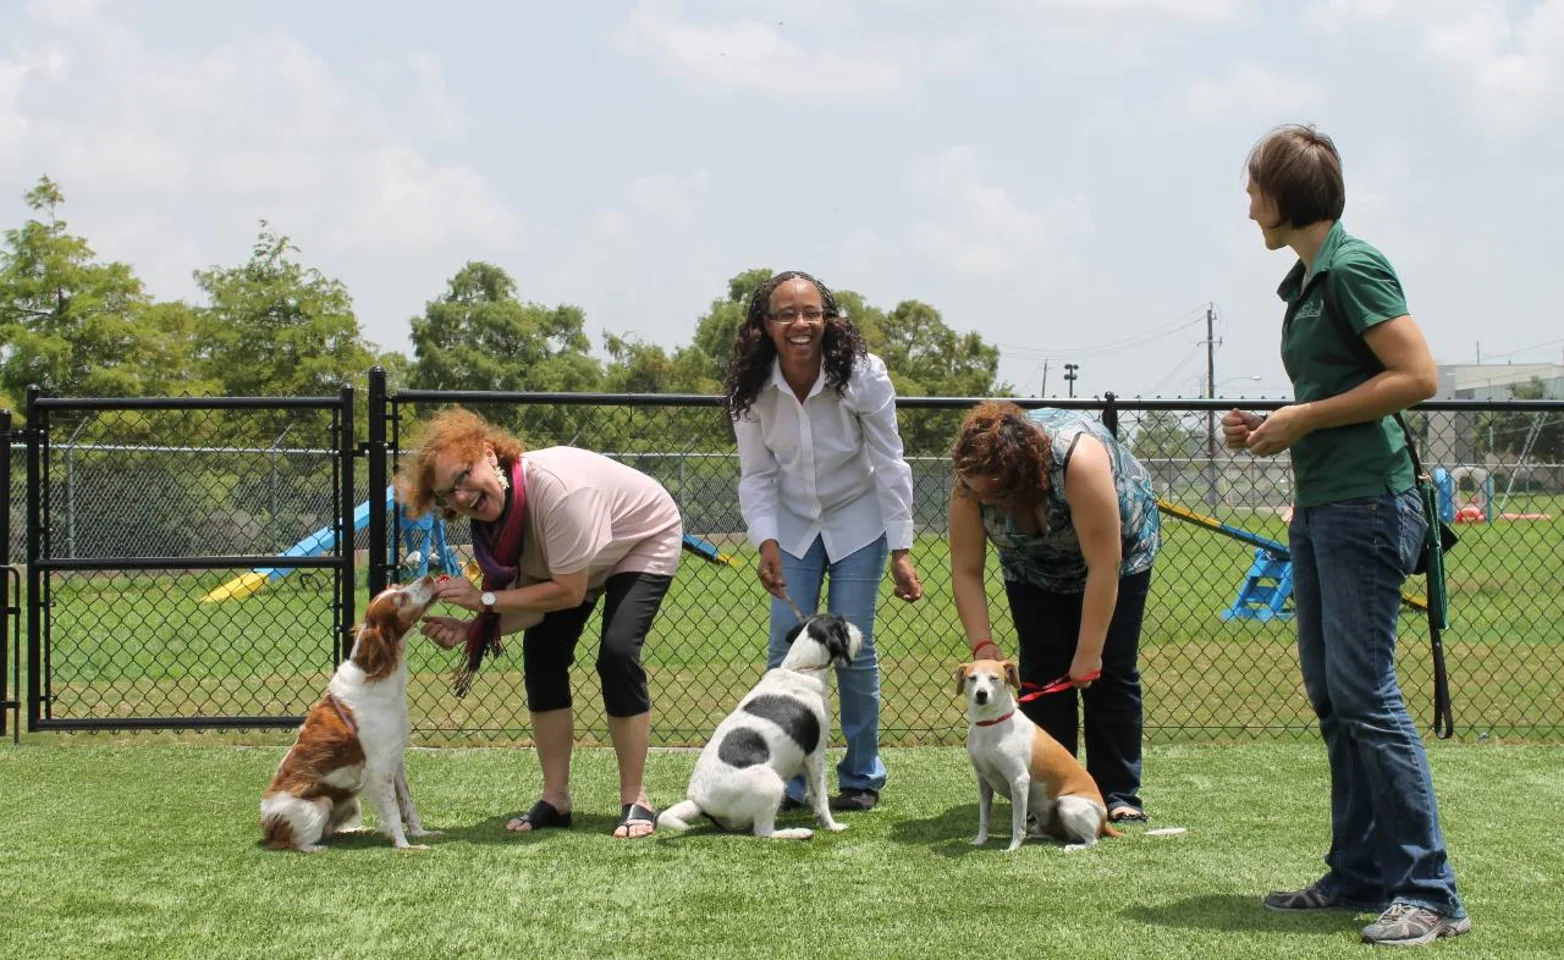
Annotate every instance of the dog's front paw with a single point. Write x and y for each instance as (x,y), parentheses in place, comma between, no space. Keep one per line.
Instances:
(413,847)
(424,833)
(1014,845)
(980,839)
(836,827)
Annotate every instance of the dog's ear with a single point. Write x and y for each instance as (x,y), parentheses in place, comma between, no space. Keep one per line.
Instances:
(375,652)
(837,640)
(961,677)
(1012,674)
(794,631)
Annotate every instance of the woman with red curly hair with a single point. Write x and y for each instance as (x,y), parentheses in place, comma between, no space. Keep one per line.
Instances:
(1074,519)
(553,530)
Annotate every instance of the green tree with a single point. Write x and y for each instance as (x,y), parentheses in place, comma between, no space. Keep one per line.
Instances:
(74,325)
(479,336)
(1163,435)
(1539,435)
(273,327)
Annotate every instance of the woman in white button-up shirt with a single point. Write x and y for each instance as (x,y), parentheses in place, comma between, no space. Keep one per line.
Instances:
(825,491)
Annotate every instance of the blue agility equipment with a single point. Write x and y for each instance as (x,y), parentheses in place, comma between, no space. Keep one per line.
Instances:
(1266,593)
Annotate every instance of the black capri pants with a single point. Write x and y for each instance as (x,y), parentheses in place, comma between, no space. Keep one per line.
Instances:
(549,649)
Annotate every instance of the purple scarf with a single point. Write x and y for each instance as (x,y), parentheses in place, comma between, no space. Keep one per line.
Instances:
(497,548)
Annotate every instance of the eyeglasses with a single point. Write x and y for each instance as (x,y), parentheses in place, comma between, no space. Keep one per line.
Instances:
(788,317)
(447,497)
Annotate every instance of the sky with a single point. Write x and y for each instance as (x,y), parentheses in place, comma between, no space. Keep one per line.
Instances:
(1065,177)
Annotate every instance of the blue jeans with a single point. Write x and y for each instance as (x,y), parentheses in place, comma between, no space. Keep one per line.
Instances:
(1349,561)
(855,589)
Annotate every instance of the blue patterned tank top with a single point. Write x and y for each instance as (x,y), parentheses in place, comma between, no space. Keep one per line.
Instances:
(1052,559)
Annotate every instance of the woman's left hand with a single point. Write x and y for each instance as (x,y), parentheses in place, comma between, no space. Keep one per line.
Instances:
(460,591)
(1280,431)
(908,586)
(1082,668)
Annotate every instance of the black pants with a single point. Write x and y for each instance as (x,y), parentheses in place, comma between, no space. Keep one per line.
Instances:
(1048,626)
(549,649)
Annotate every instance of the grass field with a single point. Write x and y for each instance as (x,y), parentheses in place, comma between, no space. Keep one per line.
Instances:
(142,645)
(136,851)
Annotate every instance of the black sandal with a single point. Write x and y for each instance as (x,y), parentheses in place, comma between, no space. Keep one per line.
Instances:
(543,814)
(1125,813)
(635,813)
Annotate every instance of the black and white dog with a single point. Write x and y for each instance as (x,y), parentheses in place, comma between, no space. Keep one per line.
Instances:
(779,729)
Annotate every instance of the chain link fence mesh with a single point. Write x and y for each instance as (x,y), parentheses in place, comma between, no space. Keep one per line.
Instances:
(1213,666)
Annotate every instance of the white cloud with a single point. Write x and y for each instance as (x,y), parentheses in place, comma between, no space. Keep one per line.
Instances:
(765,57)
(976,227)
(170,159)
(1202,11)
(1509,63)
(1250,89)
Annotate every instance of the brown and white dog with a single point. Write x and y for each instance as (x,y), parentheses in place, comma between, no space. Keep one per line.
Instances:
(1016,757)
(354,740)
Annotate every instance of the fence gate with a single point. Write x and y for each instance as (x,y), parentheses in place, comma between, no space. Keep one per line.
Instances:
(162,591)
(10,596)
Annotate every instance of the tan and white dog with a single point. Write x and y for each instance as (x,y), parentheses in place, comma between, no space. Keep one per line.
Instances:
(353,741)
(1017,758)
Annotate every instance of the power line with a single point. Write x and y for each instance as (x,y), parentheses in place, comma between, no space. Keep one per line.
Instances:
(1159,332)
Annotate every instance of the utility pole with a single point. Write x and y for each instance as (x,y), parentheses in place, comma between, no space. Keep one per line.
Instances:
(1045,377)
(1070,375)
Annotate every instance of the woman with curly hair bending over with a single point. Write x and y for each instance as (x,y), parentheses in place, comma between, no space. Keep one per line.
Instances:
(553,530)
(1074,519)
(824,491)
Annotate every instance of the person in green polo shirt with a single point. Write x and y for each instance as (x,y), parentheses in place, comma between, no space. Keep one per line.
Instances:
(1355,357)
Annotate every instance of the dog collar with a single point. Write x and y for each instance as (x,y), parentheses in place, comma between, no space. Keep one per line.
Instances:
(990,723)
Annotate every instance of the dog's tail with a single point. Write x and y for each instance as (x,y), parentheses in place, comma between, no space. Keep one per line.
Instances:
(1109,830)
(677,817)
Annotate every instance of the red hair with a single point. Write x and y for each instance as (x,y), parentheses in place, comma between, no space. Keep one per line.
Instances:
(998,441)
(454,429)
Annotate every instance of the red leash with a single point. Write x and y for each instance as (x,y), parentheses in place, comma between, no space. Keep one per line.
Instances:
(1053,686)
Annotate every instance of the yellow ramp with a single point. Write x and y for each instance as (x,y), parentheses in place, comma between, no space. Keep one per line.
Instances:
(237,588)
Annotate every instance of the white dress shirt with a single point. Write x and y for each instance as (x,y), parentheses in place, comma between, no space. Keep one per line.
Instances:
(830,467)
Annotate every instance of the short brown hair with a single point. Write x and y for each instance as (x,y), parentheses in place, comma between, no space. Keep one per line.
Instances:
(997,440)
(1298,168)
(458,429)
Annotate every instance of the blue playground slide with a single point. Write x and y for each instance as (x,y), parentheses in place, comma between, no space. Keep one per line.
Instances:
(429,529)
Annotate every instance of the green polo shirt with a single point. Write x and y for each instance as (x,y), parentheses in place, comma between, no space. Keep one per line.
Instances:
(1360,459)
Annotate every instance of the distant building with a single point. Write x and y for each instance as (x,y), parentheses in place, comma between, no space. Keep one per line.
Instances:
(1451,438)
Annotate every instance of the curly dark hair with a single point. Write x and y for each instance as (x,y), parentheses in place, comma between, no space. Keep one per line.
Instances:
(753,353)
(997,440)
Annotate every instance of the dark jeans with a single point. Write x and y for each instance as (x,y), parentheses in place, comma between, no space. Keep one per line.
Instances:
(1349,560)
(1047,626)
(549,648)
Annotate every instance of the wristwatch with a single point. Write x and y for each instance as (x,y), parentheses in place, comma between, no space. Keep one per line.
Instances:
(487,599)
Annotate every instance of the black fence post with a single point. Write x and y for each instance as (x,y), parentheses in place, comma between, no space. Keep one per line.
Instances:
(1110,413)
(36,431)
(9,702)
(347,534)
(379,555)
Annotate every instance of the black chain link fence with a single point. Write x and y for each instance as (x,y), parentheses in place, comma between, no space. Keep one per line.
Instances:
(1217,655)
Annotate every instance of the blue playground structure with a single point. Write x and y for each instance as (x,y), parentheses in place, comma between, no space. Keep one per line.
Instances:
(1266,592)
(425,547)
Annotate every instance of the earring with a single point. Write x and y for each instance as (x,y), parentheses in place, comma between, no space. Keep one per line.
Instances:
(500,475)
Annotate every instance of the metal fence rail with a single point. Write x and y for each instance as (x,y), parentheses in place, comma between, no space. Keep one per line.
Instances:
(120,488)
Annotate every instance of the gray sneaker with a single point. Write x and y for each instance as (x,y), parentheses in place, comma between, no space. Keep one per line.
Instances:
(1404,925)
(1309,898)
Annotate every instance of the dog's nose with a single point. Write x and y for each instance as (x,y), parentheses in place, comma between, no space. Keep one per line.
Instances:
(981,696)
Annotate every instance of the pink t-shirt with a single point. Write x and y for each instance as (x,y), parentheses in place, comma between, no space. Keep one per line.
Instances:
(588,512)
